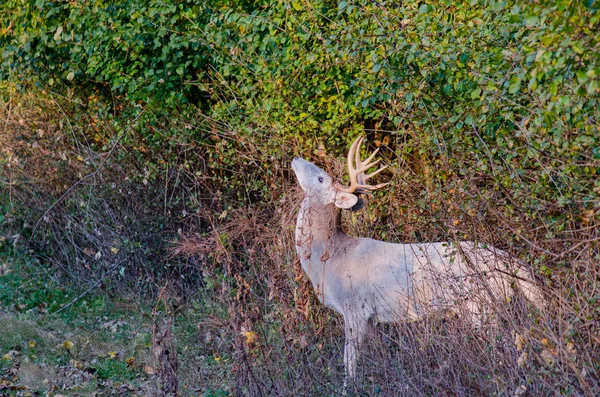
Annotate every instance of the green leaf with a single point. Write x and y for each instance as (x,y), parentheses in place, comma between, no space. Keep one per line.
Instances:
(476,93)
(592,87)
(70,76)
(58,33)
(539,54)
(533,84)
(499,6)
(531,21)
(515,85)
(581,76)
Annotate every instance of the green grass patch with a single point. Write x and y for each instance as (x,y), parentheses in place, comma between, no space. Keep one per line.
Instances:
(94,343)
(115,370)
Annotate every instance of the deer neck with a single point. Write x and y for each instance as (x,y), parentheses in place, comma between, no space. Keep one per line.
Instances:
(318,231)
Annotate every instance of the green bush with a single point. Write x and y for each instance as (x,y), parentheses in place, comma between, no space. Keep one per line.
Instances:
(512,85)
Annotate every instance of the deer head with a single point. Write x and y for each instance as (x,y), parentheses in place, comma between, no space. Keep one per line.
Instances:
(320,187)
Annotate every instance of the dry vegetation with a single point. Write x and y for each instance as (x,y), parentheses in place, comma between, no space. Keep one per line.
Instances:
(232,273)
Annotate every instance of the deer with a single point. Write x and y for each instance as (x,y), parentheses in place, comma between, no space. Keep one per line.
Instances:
(364,279)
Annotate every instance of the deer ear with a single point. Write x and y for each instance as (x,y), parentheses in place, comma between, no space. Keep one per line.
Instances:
(359,204)
(345,200)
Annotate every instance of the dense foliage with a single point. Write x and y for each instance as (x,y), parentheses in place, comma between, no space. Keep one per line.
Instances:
(514,85)
(183,116)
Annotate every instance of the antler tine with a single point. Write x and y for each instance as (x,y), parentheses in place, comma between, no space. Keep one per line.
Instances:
(371,158)
(365,166)
(367,188)
(357,151)
(372,174)
(354,152)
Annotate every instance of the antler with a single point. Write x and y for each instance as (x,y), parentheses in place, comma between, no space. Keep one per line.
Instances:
(357,175)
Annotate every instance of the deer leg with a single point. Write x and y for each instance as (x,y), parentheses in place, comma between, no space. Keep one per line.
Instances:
(355,328)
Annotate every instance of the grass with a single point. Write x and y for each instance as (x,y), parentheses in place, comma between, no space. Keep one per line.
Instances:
(97,343)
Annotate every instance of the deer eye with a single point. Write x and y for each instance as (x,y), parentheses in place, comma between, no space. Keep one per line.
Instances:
(321,179)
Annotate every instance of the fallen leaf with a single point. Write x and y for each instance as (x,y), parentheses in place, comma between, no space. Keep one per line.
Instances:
(587,216)
(77,364)
(130,361)
(31,344)
(519,342)
(112,354)
(522,389)
(67,344)
(548,357)
(250,336)
(522,360)
(114,250)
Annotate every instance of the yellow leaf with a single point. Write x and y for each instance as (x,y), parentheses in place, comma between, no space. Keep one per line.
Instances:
(587,216)
(250,336)
(522,360)
(545,341)
(67,344)
(114,250)
(112,354)
(217,358)
(519,342)
(76,364)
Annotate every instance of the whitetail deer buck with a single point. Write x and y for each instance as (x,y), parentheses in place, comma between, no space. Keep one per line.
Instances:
(365,279)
